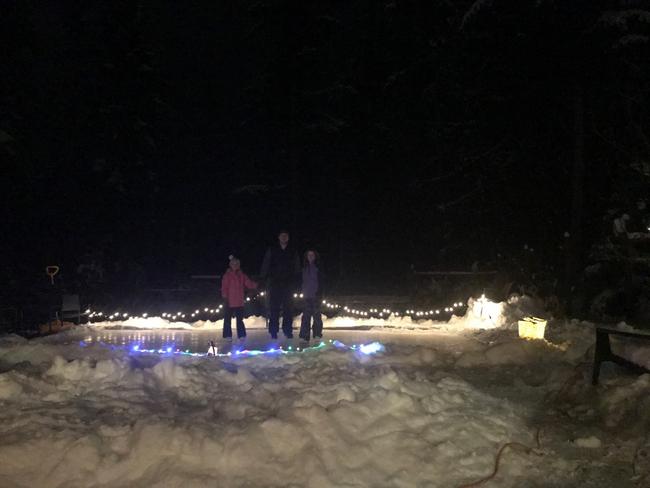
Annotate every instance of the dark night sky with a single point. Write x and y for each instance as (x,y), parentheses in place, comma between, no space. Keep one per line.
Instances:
(170,134)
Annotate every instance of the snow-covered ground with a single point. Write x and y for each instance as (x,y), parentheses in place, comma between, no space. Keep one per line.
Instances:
(82,409)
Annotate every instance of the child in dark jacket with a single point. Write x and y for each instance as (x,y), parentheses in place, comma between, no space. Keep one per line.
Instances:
(312,290)
(233,286)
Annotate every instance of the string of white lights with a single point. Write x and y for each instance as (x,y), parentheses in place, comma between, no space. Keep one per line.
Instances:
(330,307)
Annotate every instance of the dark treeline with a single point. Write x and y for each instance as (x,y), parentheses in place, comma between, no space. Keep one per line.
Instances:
(437,134)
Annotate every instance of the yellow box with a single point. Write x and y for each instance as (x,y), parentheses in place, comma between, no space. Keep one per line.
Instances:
(532,328)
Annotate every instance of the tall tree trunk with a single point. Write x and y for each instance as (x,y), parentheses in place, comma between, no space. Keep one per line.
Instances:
(291,143)
(575,252)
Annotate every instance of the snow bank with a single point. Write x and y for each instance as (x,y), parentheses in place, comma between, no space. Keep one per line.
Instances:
(422,413)
(326,418)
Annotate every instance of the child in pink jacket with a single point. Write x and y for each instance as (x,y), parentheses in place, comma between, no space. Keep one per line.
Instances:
(233,285)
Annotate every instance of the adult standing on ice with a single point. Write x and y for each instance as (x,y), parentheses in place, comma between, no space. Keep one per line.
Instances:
(233,287)
(312,289)
(280,268)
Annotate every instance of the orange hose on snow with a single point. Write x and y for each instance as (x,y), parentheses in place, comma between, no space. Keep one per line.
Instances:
(511,445)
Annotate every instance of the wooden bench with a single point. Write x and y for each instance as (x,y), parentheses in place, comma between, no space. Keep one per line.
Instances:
(604,351)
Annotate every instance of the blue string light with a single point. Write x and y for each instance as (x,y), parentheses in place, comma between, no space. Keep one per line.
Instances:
(367,349)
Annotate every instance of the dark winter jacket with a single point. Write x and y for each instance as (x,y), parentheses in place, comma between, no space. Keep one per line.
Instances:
(281,267)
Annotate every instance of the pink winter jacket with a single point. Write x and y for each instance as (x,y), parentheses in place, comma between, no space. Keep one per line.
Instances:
(232,287)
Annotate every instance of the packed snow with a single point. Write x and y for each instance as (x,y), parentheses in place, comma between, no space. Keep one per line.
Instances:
(82,409)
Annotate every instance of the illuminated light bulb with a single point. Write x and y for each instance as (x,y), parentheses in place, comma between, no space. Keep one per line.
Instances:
(248,299)
(196,311)
(145,314)
(301,295)
(295,295)
(324,301)
(212,310)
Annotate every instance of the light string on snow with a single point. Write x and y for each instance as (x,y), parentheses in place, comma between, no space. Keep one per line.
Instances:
(329,307)
(170,350)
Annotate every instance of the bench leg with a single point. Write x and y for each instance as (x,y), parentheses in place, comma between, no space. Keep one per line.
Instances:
(602,353)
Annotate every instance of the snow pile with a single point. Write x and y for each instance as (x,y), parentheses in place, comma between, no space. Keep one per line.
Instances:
(515,352)
(327,418)
(433,409)
(627,403)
